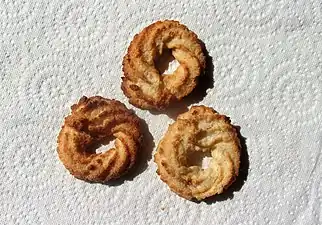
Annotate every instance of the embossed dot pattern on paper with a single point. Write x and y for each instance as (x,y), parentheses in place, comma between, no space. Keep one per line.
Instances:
(267,72)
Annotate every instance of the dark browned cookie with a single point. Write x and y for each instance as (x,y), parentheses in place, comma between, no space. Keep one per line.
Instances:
(92,121)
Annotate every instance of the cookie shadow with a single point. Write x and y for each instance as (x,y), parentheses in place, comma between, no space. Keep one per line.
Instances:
(205,82)
(143,157)
(241,178)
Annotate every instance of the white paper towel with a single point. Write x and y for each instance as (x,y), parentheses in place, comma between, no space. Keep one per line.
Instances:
(267,59)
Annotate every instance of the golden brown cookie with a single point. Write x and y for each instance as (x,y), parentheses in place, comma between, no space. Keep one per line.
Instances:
(143,84)
(201,130)
(92,121)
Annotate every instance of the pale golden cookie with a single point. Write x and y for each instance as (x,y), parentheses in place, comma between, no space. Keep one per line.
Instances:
(201,129)
(92,121)
(143,84)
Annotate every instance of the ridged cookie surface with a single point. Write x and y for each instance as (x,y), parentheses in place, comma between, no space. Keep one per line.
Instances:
(200,130)
(93,121)
(142,82)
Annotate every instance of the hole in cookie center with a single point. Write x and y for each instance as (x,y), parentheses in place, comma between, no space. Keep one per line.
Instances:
(199,158)
(166,64)
(102,146)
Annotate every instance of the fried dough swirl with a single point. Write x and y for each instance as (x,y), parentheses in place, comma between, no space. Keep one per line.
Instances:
(92,121)
(200,129)
(143,84)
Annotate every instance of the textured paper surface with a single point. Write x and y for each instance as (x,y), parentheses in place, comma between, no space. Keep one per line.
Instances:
(267,72)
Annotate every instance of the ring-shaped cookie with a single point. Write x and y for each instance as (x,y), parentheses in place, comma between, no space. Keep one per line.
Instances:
(143,84)
(92,121)
(199,130)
